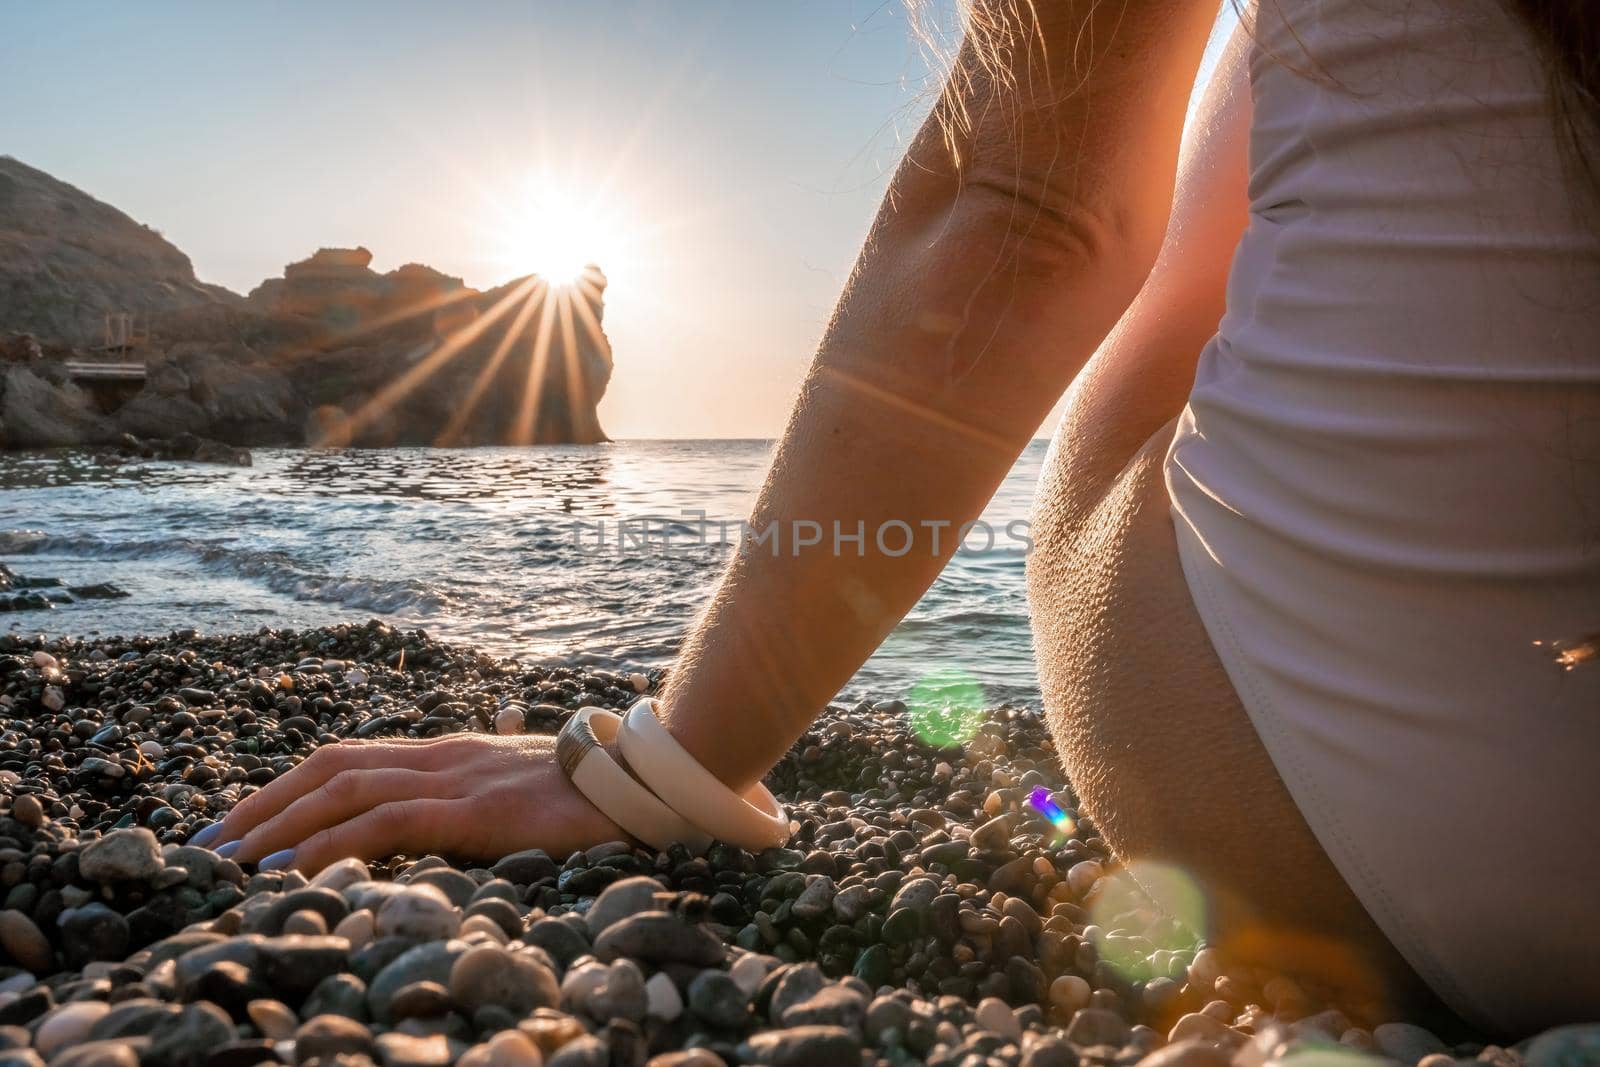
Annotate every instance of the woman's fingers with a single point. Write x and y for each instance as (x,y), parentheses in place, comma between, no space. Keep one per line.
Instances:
(311,774)
(346,795)
(409,824)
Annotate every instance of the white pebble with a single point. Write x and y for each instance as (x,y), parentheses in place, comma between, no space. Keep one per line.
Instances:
(273,1018)
(357,928)
(994,1015)
(639,682)
(508,721)
(662,1000)
(1083,875)
(342,875)
(1206,968)
(152,749)
(52,698)
(356,677)
(482,924)
(1068,993)
(420,912)
(68,1025)
(42,658)
(306,921)
(748,972)
(580,984)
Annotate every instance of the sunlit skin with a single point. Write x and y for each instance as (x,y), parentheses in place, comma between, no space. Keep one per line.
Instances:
(983,290)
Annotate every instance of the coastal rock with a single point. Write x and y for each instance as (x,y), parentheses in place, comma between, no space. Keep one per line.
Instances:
(297,362)
(67,261)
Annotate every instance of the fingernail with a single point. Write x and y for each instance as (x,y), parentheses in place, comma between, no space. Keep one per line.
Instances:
(277,861)
(228,848)
(206,836)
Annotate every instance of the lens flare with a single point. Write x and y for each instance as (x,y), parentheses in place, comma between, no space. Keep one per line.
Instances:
(1045,804)
(1148,914)
(946,708)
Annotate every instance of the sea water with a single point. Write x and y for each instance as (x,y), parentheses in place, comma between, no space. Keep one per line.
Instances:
(599,555)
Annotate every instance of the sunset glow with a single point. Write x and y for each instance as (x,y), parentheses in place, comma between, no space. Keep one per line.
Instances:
(556,234)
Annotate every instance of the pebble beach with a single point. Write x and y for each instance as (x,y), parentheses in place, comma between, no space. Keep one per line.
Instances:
(925,910)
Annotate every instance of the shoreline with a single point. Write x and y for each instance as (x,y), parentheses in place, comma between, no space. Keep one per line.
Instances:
(924,912)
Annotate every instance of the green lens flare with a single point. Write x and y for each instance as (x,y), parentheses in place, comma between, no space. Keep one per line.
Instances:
(946,708)
(1161,892)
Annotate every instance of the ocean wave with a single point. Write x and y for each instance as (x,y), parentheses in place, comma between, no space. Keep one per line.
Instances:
(276,570)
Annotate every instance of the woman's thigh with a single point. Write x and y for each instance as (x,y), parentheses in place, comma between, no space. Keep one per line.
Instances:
(1154,738)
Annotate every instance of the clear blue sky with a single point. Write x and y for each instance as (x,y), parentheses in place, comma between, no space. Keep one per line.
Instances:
(727,156)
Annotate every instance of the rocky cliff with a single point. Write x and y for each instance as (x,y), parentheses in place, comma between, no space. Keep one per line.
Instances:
(331,353)
(67,260)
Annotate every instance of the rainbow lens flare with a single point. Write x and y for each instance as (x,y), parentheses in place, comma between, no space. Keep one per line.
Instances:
(1046,805)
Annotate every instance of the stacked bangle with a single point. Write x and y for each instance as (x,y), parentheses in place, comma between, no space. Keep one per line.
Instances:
(611,789)
(754,821)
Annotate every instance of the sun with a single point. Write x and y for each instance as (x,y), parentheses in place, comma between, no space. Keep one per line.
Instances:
(557,235)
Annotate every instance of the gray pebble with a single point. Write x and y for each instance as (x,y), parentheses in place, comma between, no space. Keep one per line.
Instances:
(620,899)
(715,998)
(130,855)
(515,981)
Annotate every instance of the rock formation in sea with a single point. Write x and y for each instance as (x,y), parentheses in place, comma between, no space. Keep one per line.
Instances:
(331,353)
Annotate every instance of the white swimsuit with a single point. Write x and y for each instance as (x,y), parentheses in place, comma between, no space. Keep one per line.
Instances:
(1386,487)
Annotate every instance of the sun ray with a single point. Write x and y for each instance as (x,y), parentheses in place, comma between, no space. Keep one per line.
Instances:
(577,399)
(486,373)
(423,369)
(533,387)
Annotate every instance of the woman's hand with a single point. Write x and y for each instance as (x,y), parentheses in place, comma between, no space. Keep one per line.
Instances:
(467,795)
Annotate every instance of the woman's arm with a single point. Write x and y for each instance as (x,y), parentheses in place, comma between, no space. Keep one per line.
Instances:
(986,282)
(1020,225)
